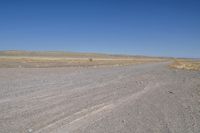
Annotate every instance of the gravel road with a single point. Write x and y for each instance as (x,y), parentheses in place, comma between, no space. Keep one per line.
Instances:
(146,98)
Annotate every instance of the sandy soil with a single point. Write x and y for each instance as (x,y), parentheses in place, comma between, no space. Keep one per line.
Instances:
(144,98)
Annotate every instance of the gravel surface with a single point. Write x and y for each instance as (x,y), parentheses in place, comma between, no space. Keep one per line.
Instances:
(147,98)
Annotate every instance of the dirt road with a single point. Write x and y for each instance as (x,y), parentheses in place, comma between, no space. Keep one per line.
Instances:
(147,98)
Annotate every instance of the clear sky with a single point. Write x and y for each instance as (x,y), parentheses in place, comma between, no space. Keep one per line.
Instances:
(151,27)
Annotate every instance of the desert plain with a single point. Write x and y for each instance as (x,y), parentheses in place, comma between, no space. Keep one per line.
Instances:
(91,93)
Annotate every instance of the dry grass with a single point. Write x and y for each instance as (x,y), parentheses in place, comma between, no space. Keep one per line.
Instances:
(186,64)
(11,59)
(17,61)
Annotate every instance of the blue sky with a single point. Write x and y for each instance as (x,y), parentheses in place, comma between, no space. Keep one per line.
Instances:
(151,27)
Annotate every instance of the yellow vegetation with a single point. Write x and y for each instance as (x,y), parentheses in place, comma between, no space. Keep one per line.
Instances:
(186,64)
(17,61)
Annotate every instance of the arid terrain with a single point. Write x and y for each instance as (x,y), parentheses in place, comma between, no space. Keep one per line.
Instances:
(35,59)
(186,64)
(137,98)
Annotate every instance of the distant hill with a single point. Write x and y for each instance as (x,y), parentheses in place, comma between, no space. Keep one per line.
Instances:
(63,54)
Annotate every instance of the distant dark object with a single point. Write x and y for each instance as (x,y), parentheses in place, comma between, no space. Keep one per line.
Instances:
(170,92)
(90,59)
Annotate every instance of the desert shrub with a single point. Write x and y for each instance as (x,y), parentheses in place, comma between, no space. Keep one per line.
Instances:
(90,59)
